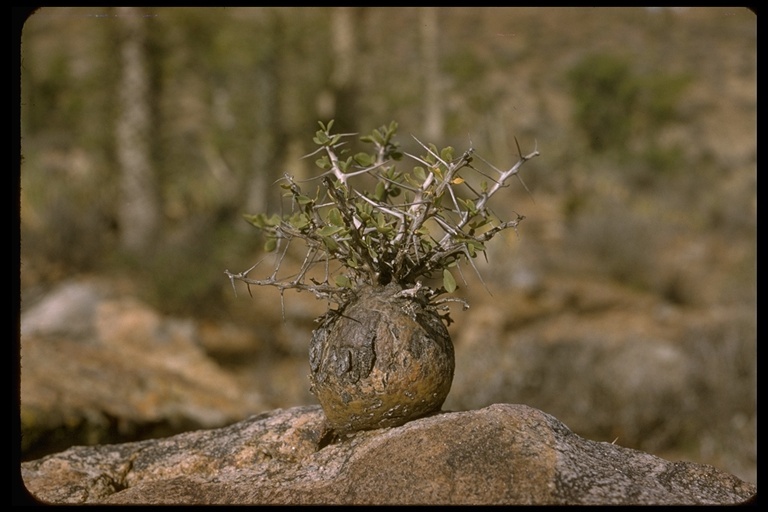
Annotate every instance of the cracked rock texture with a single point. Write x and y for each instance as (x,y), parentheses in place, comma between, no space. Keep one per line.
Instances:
(502,454)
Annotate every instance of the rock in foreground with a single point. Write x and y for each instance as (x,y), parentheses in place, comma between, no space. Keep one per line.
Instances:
(502,454)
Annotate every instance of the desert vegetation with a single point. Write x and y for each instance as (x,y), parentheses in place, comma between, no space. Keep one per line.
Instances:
(640,213)
(384,356)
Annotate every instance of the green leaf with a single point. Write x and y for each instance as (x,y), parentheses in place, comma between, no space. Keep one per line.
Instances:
(480,223)
(427,244)
(473,247)
(299,220)
(344,165)
(334,217)
(469,205)
(270,245)
(343,281)
(365,217)
(381,191)
(330,243)
(420,174)
(447,154)
(255,220)
(261,220)
(329,230)
(302,199)
(363,159)
(412,181)
(323,162)
(449,283)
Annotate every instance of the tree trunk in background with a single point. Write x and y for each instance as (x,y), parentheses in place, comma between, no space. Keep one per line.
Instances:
(341,101)
(270,139)
(430,54)
(139,203)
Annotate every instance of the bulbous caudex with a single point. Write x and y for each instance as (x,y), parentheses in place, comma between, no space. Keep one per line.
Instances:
(382,359)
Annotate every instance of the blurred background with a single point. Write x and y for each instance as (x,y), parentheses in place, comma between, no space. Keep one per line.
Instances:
(624,305)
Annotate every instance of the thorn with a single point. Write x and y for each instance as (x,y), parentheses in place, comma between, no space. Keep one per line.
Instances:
(231,280)
(525,187)
(519,151)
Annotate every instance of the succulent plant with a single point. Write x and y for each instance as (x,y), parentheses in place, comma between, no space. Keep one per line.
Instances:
(376,232)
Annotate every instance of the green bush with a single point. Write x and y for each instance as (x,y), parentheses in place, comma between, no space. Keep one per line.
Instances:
(605,95)
(620,110)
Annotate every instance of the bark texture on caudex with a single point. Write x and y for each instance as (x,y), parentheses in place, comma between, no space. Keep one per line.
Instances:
(380,360)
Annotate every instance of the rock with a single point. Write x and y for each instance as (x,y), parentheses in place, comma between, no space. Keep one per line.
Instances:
(502,454)
(100,368)
(68,310)
(616,364)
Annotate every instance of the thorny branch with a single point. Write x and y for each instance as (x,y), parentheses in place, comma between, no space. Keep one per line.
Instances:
(409,226)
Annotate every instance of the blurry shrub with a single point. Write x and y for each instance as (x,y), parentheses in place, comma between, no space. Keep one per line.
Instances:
(620,241)
(183,276)
(663,160)
(620,110)
(609,239)
(605,94)
(722,349)
(66,220)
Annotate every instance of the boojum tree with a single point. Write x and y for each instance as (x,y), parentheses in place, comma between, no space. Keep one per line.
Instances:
(374,237)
